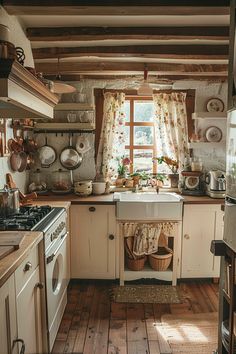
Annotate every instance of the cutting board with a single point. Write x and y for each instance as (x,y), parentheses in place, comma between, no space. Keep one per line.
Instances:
(5,250)
(11,238)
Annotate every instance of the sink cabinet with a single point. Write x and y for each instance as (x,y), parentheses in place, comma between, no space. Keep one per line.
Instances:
(201,224)
(93,241)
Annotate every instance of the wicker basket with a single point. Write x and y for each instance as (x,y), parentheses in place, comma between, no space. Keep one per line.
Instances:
(136,264)
(161,260)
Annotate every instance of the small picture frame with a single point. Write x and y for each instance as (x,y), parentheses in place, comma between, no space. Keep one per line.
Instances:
(215,104)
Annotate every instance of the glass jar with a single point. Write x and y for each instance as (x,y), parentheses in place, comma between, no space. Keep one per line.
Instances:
(196,164)
(38,182)
(61,181)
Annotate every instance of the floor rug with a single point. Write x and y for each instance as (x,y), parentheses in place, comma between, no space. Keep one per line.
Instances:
(146,294)
(190,334)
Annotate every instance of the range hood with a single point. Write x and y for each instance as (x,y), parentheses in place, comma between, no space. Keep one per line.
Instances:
(22,95)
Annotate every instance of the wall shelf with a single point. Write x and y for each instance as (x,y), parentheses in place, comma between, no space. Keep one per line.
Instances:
(209,115)
(206,144)
(74,107)
(64,127)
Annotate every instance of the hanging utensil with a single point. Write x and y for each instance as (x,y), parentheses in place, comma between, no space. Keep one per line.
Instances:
(47,154)
(70,158)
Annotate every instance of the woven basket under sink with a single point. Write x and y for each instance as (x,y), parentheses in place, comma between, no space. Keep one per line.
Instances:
(161,260)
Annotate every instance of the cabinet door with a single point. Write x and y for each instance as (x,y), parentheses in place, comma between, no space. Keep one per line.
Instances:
(8,327)
(93,229)
(29,314)
(200,227)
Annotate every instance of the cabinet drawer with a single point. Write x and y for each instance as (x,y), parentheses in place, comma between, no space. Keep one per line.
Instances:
(27,267)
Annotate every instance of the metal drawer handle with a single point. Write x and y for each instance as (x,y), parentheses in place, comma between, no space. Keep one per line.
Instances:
(186,236)
(111,237)
(27,267)
(22,350)
(92,209)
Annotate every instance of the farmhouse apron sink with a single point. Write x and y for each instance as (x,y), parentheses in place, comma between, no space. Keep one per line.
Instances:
(148,206)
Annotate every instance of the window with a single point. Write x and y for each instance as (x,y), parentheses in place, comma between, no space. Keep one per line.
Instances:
(140,144)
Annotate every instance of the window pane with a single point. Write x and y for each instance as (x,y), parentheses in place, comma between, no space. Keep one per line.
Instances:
(127,135)
(143,160)
(143,111)
(127,111)
(143,135)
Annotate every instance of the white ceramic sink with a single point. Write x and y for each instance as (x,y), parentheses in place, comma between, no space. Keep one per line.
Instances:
(148,206)
(147,197)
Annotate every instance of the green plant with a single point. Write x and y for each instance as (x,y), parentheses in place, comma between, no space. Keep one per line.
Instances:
(160,177)
(171,163)
(144,176)
(123,164)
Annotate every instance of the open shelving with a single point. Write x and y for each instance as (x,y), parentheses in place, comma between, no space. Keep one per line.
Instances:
(206,144)
(209,115)
(74,107)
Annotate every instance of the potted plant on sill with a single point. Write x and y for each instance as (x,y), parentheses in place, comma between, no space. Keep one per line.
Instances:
(122,170)
(173,166)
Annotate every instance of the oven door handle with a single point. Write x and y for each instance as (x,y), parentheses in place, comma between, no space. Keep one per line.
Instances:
(50,258)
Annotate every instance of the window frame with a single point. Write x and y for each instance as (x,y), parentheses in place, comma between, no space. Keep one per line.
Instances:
(132,124)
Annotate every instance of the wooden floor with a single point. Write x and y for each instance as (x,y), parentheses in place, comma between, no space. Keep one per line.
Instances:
(92,324)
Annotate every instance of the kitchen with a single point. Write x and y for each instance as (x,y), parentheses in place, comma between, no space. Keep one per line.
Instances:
(105,66)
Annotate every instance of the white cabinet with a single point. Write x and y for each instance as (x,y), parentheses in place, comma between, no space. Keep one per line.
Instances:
(8,326)
(93,241)
(28,302)
(202,223)
(29,314)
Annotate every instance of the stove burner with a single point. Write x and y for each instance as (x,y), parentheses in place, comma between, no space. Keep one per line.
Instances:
(26,219)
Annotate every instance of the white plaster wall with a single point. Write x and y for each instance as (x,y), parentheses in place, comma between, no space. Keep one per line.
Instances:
(18,38)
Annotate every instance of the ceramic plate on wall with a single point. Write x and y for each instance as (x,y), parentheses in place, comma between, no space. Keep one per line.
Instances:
(215,105)
(213,134)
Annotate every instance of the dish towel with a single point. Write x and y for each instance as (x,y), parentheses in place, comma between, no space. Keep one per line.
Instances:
(146,239)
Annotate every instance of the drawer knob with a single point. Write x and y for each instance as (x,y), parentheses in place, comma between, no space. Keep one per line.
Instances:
(92,209)
(111,237)
(186,236)
(28,266)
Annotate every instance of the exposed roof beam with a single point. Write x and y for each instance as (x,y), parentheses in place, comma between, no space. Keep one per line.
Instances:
(59,34)
(149,51)
(122,7)
(168,79)
(120,68)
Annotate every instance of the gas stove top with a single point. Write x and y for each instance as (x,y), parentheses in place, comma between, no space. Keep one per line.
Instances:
(35,218)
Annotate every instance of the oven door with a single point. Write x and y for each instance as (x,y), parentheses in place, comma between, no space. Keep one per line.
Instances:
(56,277)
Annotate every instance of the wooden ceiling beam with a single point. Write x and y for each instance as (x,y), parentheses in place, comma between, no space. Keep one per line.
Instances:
(59,34)
(160,79)
(149,51)
(120,68)
(122,7)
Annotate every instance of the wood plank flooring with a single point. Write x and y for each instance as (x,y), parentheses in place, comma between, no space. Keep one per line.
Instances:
(93,325)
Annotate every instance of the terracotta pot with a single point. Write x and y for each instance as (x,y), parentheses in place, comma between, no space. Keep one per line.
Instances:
(120,182)
(174,180)
(136,180)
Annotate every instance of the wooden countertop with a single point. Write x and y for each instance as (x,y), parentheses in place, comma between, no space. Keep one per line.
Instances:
(10,263)
(54,203)
(108,199)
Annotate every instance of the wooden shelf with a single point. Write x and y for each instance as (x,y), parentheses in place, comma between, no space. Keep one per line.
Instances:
(204,144)
(60,127)
(209,115)
(74,107)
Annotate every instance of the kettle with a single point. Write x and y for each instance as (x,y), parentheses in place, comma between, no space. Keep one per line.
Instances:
(9,201)
(216,183)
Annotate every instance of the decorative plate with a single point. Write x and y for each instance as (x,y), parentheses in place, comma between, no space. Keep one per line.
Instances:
(213,134)
(191,182)
(215,105)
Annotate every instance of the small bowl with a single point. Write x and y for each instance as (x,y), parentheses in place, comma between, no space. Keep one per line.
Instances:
(99,187)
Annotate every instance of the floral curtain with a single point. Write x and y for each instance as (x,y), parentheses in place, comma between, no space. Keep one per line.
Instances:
(171,125)
(112,139)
